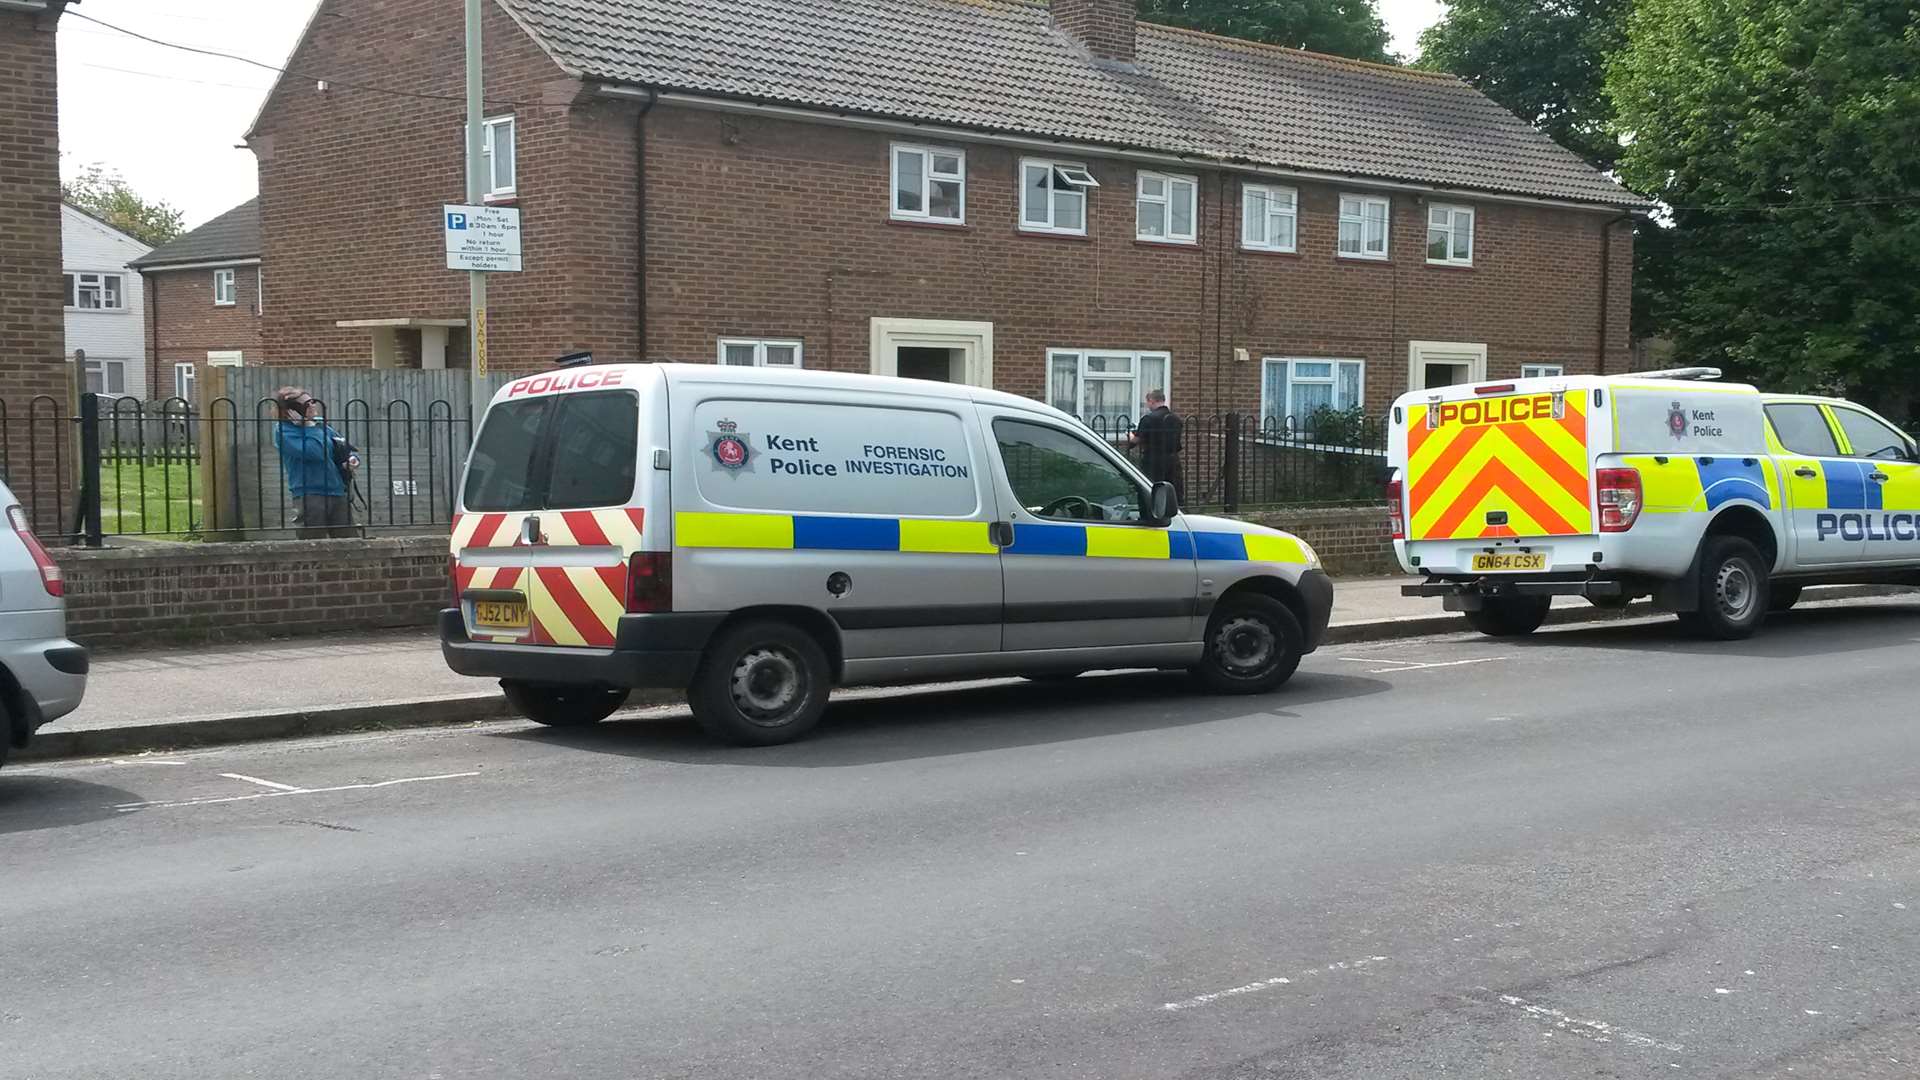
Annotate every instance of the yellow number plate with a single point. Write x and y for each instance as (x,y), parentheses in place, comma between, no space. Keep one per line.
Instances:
(499,615)
(1497,561)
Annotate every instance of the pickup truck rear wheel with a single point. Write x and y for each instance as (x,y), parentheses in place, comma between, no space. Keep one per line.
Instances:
(1510,616)
(761,684)
(1734,590)
(563,706)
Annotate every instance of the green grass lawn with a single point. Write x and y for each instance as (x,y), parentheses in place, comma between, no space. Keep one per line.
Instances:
(149,498)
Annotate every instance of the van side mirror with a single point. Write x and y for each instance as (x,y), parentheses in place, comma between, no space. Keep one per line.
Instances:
(1163,503)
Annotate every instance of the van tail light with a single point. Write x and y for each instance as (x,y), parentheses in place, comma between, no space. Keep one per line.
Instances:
(453,578)
(1397,509)
(1620,499)
(650,582)
(50,576)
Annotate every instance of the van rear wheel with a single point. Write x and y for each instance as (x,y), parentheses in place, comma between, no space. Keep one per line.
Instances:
(1734,590)
(761,684)
(1510,616)
(563,706)
(1253,644)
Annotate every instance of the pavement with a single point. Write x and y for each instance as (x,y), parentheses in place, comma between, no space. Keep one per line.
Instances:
(214,694)
(1602,851)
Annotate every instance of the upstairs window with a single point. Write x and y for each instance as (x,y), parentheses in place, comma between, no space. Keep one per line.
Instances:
(224,292)
(1542,371)
(497,161)
(1269,217)
(1167,207)
(1053,196)
(95,292)
(746,352)
(1450,235)
(929,184)
(1363,226)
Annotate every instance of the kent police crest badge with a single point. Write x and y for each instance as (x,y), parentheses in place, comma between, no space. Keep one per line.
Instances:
(1677,421)
(729,448)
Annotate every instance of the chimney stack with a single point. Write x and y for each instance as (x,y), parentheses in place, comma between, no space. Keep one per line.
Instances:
(1105,27)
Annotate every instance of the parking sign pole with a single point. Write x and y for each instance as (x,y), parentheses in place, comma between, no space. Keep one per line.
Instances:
(476,194)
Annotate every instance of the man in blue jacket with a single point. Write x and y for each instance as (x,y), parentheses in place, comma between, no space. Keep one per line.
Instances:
(312,455)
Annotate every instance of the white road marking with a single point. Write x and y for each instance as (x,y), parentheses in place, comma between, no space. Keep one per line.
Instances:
(1596,1030)
(262,783)
(1266,984)
(1408,665)
(145,761)
(130,807)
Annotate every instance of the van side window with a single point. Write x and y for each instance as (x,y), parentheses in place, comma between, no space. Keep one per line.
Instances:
(1803,430)
(567,452)
(1057,475)
(1870,437)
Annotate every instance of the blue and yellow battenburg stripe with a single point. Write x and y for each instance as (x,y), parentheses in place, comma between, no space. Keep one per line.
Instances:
(1691,484)
(809,532)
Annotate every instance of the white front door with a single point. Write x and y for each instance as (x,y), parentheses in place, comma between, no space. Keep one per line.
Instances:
(1432,364)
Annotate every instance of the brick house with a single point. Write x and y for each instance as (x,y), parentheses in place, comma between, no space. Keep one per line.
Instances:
(32,330)
(1051,199)
(202,302)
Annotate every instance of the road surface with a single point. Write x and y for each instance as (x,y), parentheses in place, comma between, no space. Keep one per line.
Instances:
(1600,852)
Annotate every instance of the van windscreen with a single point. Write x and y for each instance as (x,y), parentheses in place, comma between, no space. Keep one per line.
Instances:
(556,453)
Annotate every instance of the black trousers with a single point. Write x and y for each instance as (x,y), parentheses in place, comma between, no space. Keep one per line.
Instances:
(1167,471)
(323,516)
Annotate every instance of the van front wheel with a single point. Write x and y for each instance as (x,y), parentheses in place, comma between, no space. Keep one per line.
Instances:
(760,684)
(563,706)
(1253,644)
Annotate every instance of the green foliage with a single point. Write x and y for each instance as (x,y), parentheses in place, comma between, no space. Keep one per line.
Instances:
(1785,136)
(1340,27)
(1545,60)
(1328,426)
(106,196)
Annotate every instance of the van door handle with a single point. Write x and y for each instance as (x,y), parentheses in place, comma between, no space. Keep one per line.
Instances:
(1877,476)
(1805,473)
(1000,534)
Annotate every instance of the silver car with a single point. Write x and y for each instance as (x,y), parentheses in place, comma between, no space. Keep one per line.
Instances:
(42,674)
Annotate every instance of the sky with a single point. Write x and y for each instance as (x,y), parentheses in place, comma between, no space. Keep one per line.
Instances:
(171,122)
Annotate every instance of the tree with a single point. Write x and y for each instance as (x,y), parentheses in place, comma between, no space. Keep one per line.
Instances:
(1784,138)
(1545,60)
(107,196)
(1341,27)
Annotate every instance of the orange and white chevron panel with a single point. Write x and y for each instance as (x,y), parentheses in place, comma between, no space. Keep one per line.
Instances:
(1499,454)
(577,605)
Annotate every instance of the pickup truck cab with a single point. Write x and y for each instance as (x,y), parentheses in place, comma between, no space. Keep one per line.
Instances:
(1717,501)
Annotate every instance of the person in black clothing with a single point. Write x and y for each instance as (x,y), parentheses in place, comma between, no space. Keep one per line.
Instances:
(1158,437)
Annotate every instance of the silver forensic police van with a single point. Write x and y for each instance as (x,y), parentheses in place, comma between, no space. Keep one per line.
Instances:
(757,537)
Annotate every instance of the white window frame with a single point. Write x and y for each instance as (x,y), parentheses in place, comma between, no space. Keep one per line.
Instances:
(1084,377)
(1360,220)
(1270,193)
(1454,212)
(1170,186)
(1287,415)
(759,346)
(926,155)
(1543,371)
(226,358)
(259,292)
(184,377)
(102,368)
(226,288)
(489,129)
(75,280)
(1060,175)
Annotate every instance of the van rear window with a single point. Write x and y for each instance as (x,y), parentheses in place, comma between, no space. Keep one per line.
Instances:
(567,452)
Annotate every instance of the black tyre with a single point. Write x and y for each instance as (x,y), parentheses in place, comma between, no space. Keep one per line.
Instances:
(1510,616)
(564,706)
(760,684)
(1782,598)
(6,729)
(1253,644)
(1734,590)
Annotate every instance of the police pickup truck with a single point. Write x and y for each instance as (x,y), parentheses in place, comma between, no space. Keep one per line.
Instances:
(1716,500)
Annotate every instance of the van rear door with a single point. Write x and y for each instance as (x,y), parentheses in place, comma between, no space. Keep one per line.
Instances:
(550,521)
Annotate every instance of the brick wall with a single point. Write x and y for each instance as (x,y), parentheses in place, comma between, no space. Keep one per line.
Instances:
(766,228)
(1351,541)
(1105,27)
(32,330)
(219,592)
(184,324)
